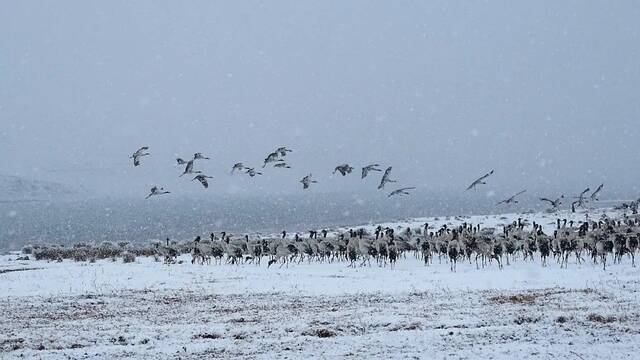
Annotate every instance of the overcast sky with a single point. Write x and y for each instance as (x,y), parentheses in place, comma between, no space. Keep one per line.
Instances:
(545,92)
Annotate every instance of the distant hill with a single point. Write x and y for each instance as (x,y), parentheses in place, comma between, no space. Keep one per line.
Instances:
(16,188)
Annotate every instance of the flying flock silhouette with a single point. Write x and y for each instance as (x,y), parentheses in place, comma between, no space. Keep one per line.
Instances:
(277,159)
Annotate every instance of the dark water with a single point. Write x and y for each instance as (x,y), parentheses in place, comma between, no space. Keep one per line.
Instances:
(139,220)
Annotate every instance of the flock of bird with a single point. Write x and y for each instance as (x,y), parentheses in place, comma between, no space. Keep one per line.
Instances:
(519,239)
(277,160)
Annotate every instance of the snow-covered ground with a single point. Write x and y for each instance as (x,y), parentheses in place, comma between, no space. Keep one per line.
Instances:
(151,310)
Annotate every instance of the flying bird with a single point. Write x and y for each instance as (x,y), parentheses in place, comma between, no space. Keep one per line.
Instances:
(189,169)
(512,199)
(580,200)
(402,191)
(306,181)
(203,180)
(138,154)
(554,203)
(157,191)
(282,151)
(386,178)
(282,165)
(581,197)
(344,169)
(199,156)
(368,168)
(252,172)
(480,180)
(237,166)
(594,196)
(273,157)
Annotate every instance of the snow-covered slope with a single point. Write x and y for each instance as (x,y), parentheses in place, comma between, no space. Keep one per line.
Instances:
(150,310)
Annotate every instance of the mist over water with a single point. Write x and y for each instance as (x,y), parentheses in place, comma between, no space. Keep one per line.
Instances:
(137,221)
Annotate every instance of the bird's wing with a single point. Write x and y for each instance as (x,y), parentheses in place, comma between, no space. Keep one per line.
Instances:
(406,188)
(584,192)
(485,176)
(473,184)
(520,193)
(547,200)
(595,193)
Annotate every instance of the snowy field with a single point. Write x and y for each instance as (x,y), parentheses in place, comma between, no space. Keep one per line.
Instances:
(151,310)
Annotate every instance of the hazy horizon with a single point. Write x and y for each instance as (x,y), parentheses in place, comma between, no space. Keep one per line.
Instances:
(546,93)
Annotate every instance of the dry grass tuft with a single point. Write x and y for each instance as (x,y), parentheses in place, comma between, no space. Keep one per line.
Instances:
(211,336)
(321,333)
(526,299)
(602,319)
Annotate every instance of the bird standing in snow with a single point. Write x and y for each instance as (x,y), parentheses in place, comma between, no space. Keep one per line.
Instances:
(138,154)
